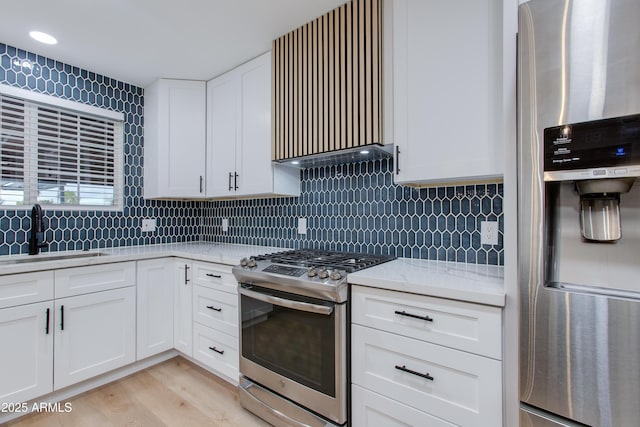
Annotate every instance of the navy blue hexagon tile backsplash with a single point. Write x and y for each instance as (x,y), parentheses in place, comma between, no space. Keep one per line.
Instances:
(354,207)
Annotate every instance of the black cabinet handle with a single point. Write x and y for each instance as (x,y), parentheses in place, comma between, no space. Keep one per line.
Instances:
(210,307)
(404,368)
(415,316)
(215,276)
(230,178)
(62,317)
(216,350)
(186,274)
(46,328)
(235,181)
(201,183)
(397,160)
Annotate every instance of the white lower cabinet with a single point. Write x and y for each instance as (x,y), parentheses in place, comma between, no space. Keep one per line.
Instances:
(107,316)
(94,334)
(215,319)
(402,363)
(154,301)
(26,358)
(182,307)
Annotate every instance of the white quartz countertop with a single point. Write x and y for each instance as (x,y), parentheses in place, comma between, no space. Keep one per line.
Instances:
(221,253)
(482,284)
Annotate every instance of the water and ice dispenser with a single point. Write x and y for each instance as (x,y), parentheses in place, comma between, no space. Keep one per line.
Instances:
(602,160)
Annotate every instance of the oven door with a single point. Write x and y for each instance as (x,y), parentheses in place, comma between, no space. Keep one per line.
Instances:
(296,347)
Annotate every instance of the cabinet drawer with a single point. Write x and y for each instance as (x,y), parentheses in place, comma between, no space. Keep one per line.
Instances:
(84,280)
(214,276)
(216,350)
(215,309)
(462,388)
(369,409)
(470,327)
(18,289)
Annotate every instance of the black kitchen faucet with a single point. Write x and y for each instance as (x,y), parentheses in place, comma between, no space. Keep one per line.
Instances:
(36,239)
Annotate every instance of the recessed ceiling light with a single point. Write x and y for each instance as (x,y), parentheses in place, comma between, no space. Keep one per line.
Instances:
(364,152)
(43,37)
(295,162)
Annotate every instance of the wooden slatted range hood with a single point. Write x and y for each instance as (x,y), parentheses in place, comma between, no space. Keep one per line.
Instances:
(327,85)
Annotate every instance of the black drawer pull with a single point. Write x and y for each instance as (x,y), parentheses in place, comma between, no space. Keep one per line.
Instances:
(210,307)
(216,350)
(415,316)
(404,368)
(215,276)
(46,329)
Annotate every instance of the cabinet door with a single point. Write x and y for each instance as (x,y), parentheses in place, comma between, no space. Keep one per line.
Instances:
(223,104)
(94,334)
(154,301)
(175,139)
(447,89)
(253,153)
(26,359)
(182,299)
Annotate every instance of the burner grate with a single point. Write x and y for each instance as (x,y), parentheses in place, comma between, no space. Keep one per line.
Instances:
(347,261)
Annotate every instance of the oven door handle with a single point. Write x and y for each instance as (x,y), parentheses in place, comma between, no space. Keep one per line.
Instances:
(295,305)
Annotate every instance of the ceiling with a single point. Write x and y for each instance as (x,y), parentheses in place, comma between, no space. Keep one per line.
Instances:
(139,41)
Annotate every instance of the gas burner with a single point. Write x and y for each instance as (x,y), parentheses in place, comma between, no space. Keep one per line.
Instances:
(311,272)
(349,262)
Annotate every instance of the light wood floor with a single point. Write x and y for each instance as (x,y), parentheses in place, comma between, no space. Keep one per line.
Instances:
(173,393)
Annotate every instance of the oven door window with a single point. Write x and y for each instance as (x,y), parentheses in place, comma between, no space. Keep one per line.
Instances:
(297,344)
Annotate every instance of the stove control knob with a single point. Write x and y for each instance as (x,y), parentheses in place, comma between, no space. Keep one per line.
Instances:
(335,275)
(244,262)
(312,272)
(251,263)
(323,274)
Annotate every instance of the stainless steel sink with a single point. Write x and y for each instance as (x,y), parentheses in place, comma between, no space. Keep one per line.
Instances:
(22,259)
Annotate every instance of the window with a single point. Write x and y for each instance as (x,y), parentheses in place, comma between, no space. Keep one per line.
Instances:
(58,153)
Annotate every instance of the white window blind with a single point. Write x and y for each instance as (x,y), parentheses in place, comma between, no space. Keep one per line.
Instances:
(58,157)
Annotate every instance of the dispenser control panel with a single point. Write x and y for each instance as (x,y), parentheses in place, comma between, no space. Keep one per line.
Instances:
(604,148)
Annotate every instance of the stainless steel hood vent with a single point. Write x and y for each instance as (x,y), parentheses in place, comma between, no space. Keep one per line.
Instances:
(348,155)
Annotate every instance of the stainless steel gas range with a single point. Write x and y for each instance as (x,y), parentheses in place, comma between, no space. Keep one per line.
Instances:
(294,335)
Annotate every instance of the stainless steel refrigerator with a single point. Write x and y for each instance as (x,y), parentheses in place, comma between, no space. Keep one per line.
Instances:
(579,212)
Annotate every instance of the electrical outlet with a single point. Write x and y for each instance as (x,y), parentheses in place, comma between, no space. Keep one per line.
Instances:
(302,225)
(225,225)
(148,225)
(488,232)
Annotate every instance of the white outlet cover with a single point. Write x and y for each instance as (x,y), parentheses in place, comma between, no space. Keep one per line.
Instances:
(148,225)
(225,225)
(302,225)
(488,232)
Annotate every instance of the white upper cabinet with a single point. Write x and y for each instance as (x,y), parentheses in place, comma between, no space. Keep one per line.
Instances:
(175,139)
(239,135)
(444,89)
